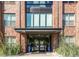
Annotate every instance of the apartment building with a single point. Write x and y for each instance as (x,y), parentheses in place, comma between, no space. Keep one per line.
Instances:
(38,25)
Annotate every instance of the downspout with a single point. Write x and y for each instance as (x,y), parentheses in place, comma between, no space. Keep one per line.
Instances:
(20,22)
(58,13)
(58,24)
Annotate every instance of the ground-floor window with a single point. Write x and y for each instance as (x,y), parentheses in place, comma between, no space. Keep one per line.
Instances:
(69,39)
(10,40)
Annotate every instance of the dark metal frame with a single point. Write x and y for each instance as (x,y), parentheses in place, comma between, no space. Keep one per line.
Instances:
(36,13)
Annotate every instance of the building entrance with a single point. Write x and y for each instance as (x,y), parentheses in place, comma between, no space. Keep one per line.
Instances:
(39,44)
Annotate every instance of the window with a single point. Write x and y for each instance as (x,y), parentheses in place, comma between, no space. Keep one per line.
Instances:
(29,21)
(35,2)
(69,19)
(9,20)
(49,2)
(39,20)
(49,20)
(30,4)
(36,20)
(9,2)
(68,1)
(42,4)
(10,40)
(42,19)
(69,39)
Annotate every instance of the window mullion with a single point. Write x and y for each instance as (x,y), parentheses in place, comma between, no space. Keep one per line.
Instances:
(45,19)
(69,20)
(33,20)
(39,20)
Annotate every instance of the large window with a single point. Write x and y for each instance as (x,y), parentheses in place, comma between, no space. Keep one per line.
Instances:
(9,20)
(70,39)
(69,19)
(38,20)
(9,2)
(38,4)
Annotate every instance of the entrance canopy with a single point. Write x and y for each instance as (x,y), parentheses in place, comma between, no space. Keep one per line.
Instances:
(46,30)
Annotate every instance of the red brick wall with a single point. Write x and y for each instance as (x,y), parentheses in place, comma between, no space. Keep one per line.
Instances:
(57,14)
(57,21)
(72,30)
(69,8)
(77,24)
(20,16)
(54,40)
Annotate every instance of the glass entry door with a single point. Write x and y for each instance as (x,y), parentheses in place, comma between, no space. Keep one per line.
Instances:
(36,46)
(39,45)
(42,46)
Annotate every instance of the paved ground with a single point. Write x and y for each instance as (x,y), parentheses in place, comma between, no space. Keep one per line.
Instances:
(51,54)
(54,54)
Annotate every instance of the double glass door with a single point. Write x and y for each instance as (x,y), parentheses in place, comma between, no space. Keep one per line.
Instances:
(39,45)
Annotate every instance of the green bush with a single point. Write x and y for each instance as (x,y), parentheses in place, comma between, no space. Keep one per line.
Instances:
(12,50)
(67,49)
(1,51)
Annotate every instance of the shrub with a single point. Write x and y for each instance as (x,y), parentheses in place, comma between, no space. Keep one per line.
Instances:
(1,51)
(67,49)
(12,50)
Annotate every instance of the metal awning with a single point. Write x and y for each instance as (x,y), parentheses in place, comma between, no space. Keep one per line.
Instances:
(28,30)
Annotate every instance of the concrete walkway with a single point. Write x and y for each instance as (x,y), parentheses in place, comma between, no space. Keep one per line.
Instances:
(53,54)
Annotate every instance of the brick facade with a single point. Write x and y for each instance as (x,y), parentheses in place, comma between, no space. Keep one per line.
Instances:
(58,9)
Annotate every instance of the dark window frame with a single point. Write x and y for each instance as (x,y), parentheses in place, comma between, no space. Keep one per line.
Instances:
(69,2)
